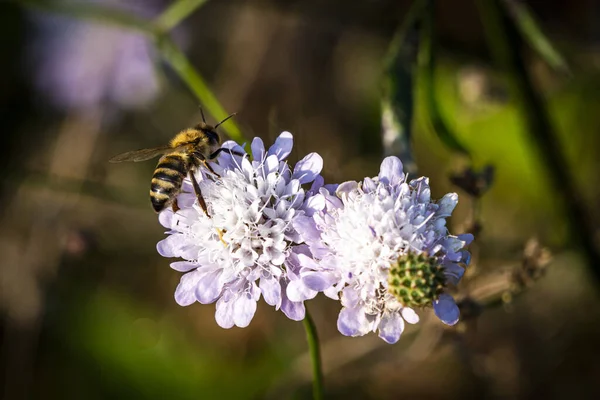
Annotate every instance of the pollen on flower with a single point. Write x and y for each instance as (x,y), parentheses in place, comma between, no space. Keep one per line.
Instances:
(416,280)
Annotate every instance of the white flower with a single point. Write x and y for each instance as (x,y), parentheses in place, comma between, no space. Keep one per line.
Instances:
(382,247)
(248,246)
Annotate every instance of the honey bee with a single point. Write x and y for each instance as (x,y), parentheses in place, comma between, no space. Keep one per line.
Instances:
(188,150)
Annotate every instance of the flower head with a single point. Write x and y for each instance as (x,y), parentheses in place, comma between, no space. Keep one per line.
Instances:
(382,247)
(247,246)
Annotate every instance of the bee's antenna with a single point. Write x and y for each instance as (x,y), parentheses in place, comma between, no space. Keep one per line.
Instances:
(225,120)
(202,113)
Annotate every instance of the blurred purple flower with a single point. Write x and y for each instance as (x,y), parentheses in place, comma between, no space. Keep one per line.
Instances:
(382,247)
(81,65)
(253,204)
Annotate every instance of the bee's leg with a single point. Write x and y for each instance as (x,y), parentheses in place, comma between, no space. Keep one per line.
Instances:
(198,193)
(224,150)
(175,206)
(208,167)
(202,203)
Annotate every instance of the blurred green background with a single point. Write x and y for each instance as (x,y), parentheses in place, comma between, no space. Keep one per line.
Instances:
(87,303)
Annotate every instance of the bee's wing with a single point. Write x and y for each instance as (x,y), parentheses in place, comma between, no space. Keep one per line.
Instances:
(141,155)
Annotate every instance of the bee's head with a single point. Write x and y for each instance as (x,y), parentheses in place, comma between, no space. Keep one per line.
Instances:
(210,131)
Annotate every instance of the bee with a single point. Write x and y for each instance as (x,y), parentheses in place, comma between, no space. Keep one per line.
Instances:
(189,150)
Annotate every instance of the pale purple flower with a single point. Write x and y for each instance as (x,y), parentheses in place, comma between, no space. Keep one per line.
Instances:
(362,235)
(82,65)
(253,204)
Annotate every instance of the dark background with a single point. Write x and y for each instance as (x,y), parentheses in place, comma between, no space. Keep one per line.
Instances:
(87,303)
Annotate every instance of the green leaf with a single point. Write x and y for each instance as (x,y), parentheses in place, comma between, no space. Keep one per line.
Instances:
(427,68)
(533,34)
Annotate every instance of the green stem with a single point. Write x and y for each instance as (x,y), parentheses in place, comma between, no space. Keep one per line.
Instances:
(505,44)
(315,356)
(169,51)
(397,100)
(176,13)
(398,41)
(186,71)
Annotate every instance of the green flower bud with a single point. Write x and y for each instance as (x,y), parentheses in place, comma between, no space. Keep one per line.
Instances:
(416,280)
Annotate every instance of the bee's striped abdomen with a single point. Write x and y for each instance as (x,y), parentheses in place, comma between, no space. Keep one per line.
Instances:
(167,180)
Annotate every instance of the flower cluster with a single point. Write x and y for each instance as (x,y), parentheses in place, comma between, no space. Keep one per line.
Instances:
(379,246)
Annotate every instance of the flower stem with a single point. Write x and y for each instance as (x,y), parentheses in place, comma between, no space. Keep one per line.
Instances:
(315,355)
(176,13)
(196,83)
(157,31)
(397,100)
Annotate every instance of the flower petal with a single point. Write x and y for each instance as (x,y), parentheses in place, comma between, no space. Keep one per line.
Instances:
(166,217)
(258,148)
(353,322)
(314,203)
(185,294)
(243,310)
(453,273)
(447,204)
(409,315)
(369,185)
(317,184)
(282,146)
(307,169)
(391,171)
(333,293)
(271,291)
(183,266)
(319,281)
(297,291)
(446,309)
(224,313)
(344,189)
(307,229)
(170,246)
(208,288)
(294,310)
(467,238)
(391,327)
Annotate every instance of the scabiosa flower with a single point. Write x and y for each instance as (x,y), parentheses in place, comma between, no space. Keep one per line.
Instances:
(382,247)
(248,247)
(83,65)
